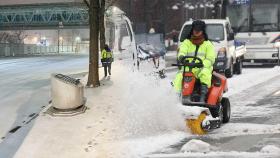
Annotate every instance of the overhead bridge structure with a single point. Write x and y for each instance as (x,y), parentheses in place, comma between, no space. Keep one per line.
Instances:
(44,16)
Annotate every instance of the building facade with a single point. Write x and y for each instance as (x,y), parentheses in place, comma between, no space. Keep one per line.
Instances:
(167,16)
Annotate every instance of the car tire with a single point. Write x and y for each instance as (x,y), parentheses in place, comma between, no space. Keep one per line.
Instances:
(229,71)
(226,110)
(238,67)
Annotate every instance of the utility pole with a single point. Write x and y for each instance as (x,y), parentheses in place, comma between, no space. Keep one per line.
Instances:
(278,56)
(250,16)
(60,26)
(145,16)
(129,8)
(58,40)
(164,18)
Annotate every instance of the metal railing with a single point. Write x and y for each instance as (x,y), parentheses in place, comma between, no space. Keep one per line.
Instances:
(9,50)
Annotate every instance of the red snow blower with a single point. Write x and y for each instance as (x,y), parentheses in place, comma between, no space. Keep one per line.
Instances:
(216,109)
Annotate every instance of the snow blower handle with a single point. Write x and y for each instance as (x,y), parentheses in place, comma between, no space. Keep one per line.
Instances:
(192,64)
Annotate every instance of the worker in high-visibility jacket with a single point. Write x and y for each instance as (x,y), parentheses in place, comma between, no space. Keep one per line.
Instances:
(107,59)
(197,38)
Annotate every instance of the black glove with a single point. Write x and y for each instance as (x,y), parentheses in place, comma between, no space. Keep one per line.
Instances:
(181,59)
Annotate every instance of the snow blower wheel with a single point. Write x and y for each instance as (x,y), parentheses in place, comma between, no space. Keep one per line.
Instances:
(226,110)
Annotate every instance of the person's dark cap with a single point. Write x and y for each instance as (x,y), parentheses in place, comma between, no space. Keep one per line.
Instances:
(198,25)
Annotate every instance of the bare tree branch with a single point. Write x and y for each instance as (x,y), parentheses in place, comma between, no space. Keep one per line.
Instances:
(3,37)
(86,2)
(110,3)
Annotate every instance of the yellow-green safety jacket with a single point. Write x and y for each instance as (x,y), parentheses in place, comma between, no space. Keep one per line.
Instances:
(106,55)
(206,53)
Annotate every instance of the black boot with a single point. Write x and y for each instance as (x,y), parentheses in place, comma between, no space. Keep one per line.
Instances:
(203,93)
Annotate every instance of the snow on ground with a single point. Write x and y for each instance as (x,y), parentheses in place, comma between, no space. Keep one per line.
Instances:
(259,100)
(271,149)
(195,145)
(248,88)
(249,78)
(132,115)
(253,111)
(125,111)
(24,86)
(192,112)
(198,148)
(237,129)
(140,147)
(231,154)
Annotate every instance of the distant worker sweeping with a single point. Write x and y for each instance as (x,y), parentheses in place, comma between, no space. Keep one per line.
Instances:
(106,60)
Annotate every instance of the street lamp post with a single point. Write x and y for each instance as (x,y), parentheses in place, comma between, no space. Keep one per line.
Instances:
(78,40)
(129,10)
(191,8)
(196,11)
(221,9)
(61,40)
(60,26)
(277,45)
(186,6)
(278,55)
(204,9)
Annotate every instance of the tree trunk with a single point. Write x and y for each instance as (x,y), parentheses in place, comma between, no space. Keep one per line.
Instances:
(102,25)
(93,75)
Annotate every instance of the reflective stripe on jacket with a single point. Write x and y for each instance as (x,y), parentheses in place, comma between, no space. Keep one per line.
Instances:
(206,52)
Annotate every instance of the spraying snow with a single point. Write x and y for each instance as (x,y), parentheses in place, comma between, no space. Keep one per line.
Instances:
(124,112)
(146,104)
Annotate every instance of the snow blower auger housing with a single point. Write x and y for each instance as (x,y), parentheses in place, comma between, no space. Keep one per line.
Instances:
(216,109)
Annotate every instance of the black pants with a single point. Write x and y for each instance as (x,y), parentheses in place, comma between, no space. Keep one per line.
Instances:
(107,68)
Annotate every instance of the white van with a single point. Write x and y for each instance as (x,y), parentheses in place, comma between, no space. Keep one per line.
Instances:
(229,55)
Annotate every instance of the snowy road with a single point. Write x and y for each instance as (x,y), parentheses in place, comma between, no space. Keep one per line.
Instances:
(254,128)
(24,88)
(122,126)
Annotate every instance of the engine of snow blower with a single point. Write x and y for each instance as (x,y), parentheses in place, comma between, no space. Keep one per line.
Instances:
(216,110)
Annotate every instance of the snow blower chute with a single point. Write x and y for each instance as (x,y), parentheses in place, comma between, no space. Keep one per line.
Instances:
(216,109)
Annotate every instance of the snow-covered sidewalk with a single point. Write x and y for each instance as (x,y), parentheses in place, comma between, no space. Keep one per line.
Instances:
(128,116)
